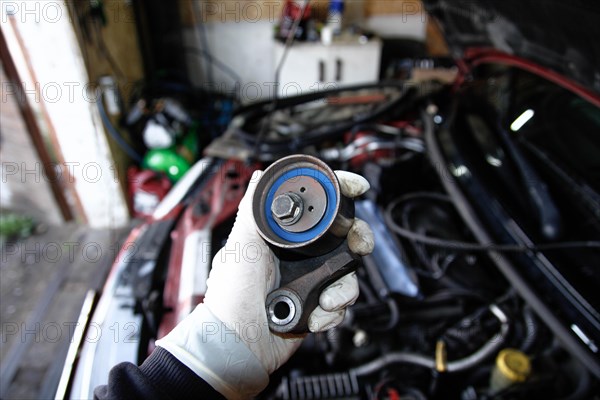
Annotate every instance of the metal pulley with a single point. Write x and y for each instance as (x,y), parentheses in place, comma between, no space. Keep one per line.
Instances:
(302,214)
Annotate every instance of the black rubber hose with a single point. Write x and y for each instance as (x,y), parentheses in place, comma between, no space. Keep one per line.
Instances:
(130,151)
(470,246)
(531,330)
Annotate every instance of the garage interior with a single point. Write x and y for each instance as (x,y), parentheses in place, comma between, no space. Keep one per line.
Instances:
(111,109)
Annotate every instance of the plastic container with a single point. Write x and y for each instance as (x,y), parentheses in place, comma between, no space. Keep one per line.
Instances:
(335,16)
(146,189)
(512,367)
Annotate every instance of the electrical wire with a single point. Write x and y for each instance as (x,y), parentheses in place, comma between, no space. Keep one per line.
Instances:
(200,30)
(522,287)
(394,317)
(274,148)
(325,130)
(288,44)
(130,151)
(101,44)
(434,267)
(470,246)
(369,144)
(489,348)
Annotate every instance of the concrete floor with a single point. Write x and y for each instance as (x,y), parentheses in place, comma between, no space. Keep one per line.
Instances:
(43,282)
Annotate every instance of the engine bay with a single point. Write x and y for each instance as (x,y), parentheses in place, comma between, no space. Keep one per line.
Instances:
(436,318)
(431,326)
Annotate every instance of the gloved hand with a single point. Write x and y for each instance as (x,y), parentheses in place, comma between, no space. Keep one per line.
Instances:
(226,340)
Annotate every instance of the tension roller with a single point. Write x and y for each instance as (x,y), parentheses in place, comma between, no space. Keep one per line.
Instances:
(303,216)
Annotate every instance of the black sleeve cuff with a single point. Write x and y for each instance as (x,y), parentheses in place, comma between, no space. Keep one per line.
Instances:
(174,379)
(161,376)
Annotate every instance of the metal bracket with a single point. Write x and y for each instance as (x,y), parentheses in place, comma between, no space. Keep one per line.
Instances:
(302,281)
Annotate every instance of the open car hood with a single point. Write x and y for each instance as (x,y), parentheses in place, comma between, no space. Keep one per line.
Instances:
(559,35)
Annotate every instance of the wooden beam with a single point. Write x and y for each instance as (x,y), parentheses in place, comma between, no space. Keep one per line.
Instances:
(387,7)
(33,129)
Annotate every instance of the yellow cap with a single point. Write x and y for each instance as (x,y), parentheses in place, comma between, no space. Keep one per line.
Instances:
(514,365)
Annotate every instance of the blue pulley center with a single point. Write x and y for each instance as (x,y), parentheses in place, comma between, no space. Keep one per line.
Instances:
(322,225)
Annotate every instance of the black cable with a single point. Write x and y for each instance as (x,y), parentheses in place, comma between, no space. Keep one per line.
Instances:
(320,134)
(468,246)
(202,38)
(130,151)
(394,315)
(288,43)
(324,131)
(200,30)
(433,268)
(106,53)
(420,251)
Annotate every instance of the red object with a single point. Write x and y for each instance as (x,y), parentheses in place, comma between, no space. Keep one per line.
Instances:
(477,56)
(146,190)
(292,10)
(363,154)
(217,202)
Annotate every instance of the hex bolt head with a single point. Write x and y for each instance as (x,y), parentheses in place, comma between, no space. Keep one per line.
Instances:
(287,208)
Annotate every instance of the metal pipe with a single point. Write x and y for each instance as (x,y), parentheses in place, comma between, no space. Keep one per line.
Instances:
(428,362)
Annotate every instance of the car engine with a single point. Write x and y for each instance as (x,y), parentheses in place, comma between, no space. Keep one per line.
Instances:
(435,317)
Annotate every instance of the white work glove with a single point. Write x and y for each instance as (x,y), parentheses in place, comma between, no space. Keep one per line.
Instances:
(226,340)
